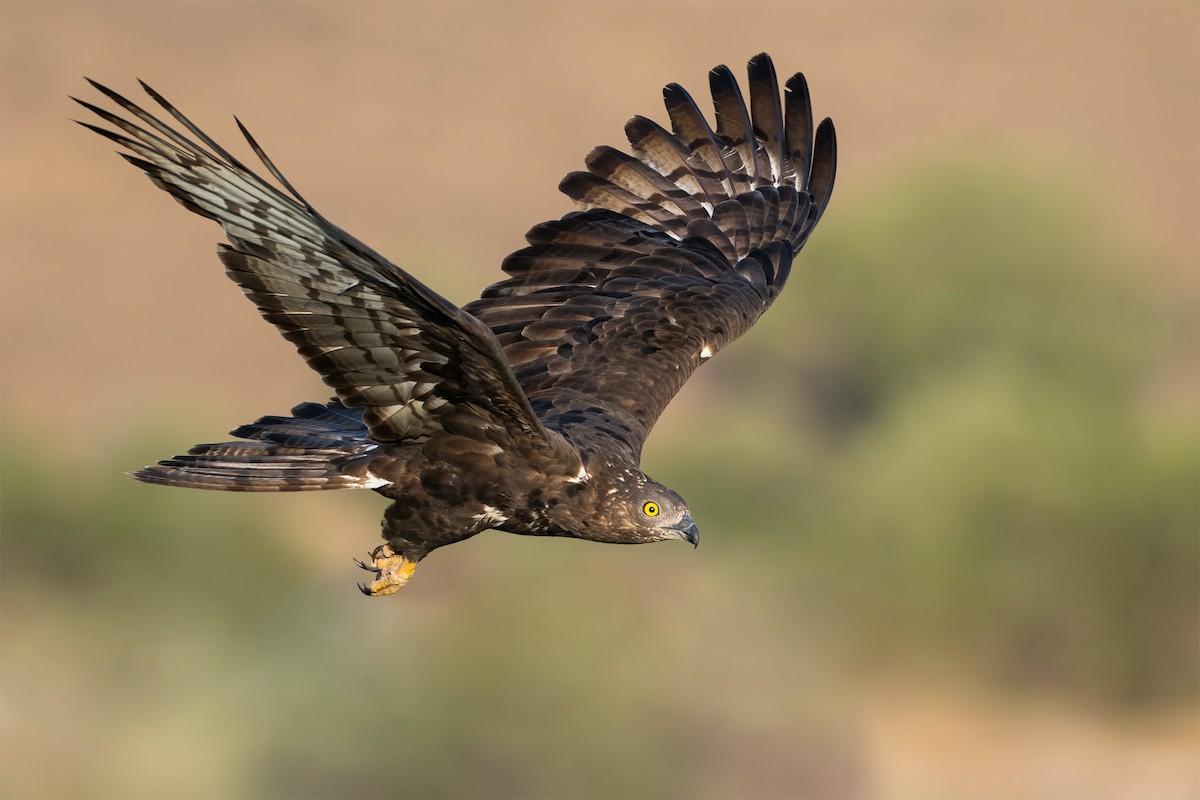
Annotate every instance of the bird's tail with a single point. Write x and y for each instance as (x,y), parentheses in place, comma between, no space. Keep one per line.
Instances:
(307,451)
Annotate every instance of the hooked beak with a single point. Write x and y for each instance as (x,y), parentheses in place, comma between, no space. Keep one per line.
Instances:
(688,530)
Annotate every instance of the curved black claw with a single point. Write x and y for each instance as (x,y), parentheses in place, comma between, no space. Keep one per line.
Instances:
(368,567)
(362,587)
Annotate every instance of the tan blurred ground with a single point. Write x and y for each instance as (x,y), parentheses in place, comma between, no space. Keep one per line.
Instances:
(437,133)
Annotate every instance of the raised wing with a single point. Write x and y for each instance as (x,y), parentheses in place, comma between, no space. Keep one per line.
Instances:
(682,246)
(386,343)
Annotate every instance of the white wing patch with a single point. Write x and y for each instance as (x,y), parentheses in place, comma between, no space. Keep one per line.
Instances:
(490,517)
(373,481)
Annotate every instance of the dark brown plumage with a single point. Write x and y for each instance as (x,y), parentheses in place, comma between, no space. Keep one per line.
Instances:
(525,410)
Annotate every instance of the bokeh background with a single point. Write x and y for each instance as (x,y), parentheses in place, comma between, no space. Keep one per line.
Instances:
(948,486)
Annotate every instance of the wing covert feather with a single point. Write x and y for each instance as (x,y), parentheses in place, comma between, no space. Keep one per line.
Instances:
(679,248)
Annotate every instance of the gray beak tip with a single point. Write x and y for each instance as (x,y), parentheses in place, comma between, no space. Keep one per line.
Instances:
(688,531)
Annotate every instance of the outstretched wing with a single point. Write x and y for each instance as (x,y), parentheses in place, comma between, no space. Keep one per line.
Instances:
(682,246)
(413,361)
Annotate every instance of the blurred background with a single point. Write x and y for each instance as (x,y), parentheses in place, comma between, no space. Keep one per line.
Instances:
(948,486)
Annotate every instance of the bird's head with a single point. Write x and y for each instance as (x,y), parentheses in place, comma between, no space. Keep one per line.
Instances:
(640,509)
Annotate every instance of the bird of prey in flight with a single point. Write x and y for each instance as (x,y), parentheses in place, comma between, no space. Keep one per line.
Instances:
(523,411)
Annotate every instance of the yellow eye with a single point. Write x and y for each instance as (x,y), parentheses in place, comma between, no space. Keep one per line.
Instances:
(650,509)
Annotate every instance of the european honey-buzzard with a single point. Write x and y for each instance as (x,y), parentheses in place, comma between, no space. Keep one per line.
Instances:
(523,411)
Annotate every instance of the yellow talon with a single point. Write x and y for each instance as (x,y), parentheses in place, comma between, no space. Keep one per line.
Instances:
(393,570)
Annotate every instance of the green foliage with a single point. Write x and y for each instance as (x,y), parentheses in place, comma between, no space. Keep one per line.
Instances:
(1030,537)
(967,265)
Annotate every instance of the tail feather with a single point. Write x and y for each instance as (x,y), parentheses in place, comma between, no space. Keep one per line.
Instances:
(305,452)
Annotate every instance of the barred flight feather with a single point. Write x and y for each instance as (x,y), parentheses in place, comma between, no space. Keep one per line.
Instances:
(526,409)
